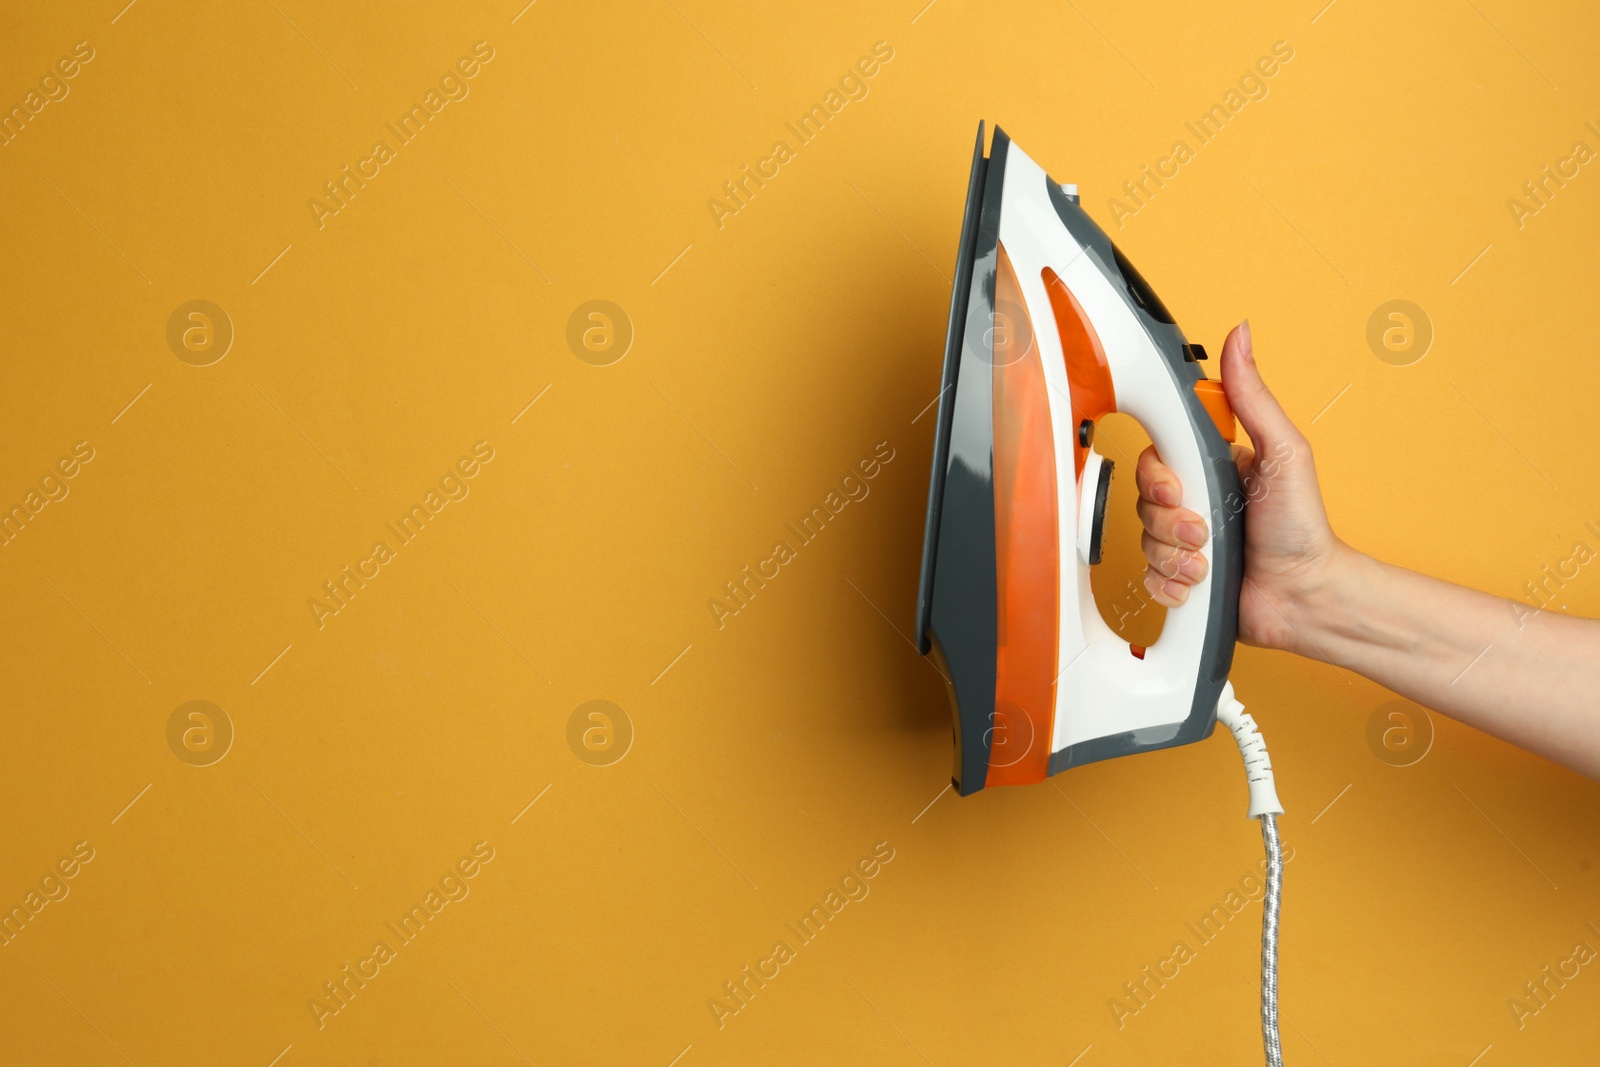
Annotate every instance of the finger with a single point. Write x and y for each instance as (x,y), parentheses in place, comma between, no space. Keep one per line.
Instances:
(1177,564)
(1258,410)
(1155,479)
(1178,527)
(1244,457)
(1166,591)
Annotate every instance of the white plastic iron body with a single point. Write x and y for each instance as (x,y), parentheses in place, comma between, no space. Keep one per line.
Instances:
(1104,689)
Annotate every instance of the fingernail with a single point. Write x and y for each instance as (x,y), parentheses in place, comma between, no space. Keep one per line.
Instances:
(1192,566)
(1176,590)
(1191,533)
(1165,493)
(1245,345)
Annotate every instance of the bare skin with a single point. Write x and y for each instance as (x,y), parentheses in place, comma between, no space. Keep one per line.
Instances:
(1526,676)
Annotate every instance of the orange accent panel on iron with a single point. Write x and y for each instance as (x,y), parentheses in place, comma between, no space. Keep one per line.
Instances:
(1027,571)
(1088,374)
(1217,406)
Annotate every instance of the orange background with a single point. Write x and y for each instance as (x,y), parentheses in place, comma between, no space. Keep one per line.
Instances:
(769,356)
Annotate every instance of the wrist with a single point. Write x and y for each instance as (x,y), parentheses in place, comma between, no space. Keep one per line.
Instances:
(1318,604)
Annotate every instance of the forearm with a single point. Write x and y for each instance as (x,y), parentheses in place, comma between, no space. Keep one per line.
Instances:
(1529,677)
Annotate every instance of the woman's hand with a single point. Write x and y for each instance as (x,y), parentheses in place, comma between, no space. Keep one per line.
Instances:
(1522,673)
(1290,550)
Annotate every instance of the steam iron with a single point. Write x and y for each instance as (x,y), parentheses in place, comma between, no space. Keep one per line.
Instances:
(1051,328)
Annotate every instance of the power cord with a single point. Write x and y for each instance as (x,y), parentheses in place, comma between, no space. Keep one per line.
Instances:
(1264,805)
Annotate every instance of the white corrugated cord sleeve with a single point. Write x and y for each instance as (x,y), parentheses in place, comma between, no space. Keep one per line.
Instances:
(1264,806)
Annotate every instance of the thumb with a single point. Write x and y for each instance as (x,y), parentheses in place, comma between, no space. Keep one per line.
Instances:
(1258,410)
